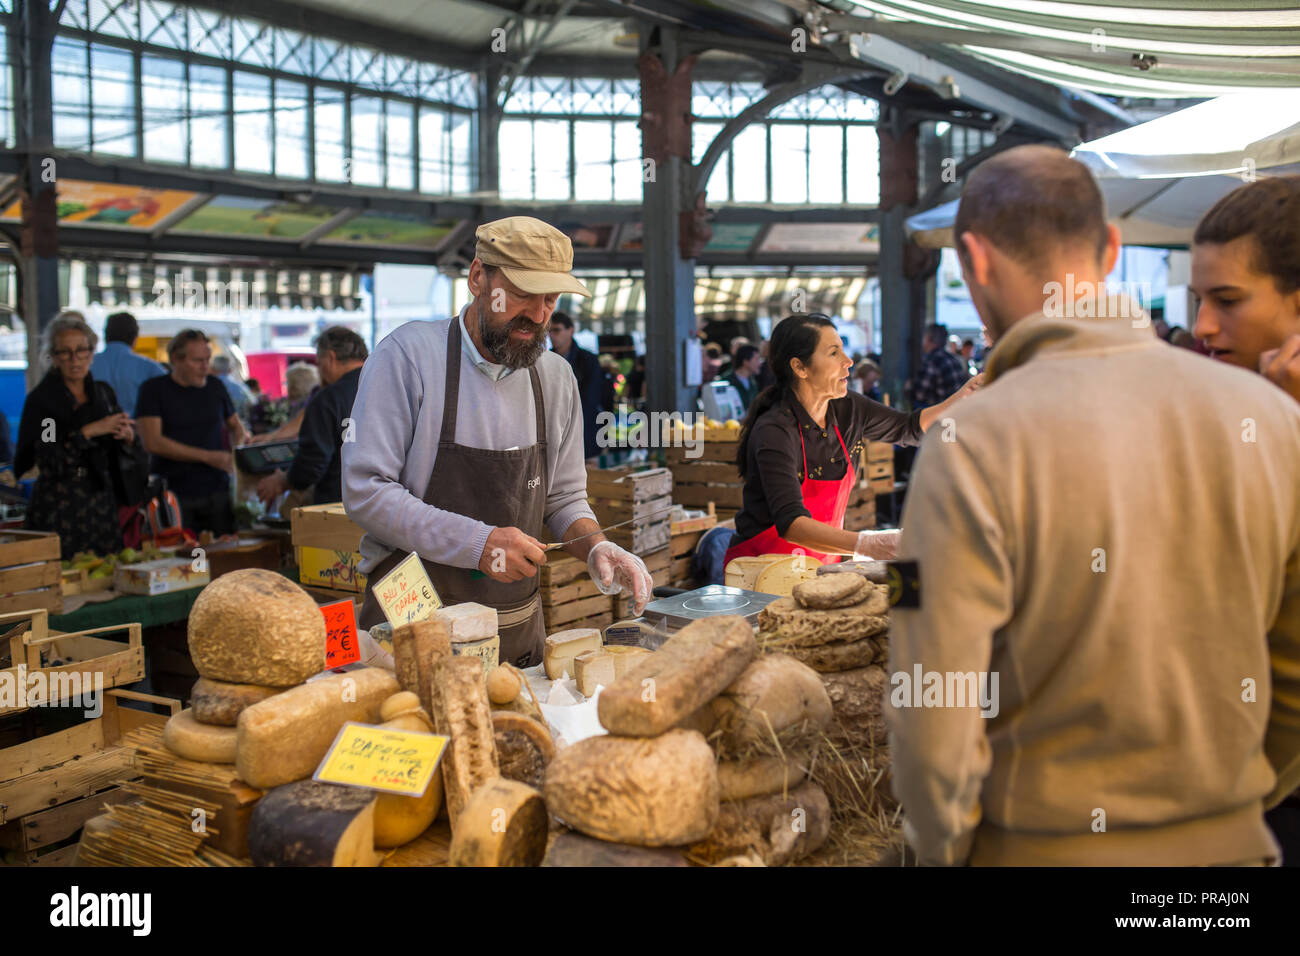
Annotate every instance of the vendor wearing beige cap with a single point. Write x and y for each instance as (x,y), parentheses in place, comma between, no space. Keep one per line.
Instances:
(468,439)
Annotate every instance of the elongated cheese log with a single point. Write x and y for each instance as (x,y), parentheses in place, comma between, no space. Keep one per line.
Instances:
(524,747)
(504,823)
(648,791)
(415,648)
(690,669)
(220,703)
(780,828)
(186,737)
(283,738)
(462,713)
(313,824)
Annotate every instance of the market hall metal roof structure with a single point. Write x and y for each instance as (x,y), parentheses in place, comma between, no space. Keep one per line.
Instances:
(565,37)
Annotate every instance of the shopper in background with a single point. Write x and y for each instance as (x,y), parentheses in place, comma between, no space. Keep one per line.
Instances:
(942,372)
(766,377)
(593,384)
(70,430)
(326,422)
(635,391)
(302,380)
(1050,526)
(1246,274)
(240,396)
(744,374)
(188,424)
(867,374)
(118,366)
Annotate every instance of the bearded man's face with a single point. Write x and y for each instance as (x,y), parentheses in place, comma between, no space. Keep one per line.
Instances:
(513,324)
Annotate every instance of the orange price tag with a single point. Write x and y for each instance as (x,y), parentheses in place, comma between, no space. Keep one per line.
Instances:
(341,644)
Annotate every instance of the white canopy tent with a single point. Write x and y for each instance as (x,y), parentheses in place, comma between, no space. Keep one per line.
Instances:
(1160,177)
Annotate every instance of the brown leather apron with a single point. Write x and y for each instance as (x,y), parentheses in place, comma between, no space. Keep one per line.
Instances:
(500,488)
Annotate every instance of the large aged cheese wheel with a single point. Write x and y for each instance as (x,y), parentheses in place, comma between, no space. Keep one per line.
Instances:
(256,627)
(831,590)
(573,849)
(524,747)
(503,824)
(283,738)
(217,702)
(313,824)
(858,698)
(840,656)
(186,737)
(757,776)
(786,620)
(647,791)
(692,667)
(773,695)
(780,828)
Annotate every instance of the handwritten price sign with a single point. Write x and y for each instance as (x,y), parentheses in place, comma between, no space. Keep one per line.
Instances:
(394,761)
(341,645)
(406,594)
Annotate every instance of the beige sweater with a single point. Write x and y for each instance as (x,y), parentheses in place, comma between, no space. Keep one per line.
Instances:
(1112,527)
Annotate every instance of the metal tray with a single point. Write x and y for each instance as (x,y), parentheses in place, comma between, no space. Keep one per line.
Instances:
(673,613)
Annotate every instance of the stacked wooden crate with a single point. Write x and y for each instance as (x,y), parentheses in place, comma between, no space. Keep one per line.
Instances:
(31,573)
(878,466)
(47,665)
(704,471)
(861,512)
(644,497)
(570,597)
(52,785)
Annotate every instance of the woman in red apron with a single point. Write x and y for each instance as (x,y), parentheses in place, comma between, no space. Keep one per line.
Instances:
(798,446)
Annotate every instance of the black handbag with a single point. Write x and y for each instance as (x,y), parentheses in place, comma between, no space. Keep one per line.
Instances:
(128,464)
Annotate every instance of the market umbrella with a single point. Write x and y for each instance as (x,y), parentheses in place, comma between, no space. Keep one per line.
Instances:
(1160,177)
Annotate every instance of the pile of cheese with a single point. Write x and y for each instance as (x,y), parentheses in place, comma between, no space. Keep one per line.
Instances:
(837,624)
(657,779)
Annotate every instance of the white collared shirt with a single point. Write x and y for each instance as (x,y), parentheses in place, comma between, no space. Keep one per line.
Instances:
(490,369)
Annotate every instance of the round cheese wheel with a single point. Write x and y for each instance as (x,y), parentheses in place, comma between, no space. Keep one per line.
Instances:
(220,703)
(186,737)
(504,823)
(256,627)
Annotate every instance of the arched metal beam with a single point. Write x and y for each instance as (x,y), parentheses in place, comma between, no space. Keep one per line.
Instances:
(811,78)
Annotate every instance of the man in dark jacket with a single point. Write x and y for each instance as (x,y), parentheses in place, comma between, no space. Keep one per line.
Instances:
(590,376)
(326,421)
(744,373)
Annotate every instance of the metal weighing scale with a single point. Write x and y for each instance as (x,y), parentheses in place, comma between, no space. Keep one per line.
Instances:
(671,614)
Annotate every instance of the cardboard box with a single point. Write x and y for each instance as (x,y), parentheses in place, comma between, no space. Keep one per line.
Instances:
(324,568)
(160,576)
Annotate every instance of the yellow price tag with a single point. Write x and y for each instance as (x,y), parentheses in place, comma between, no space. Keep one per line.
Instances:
(394,761)
(406,594)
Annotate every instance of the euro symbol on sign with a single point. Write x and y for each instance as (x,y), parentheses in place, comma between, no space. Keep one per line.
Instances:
(424,592)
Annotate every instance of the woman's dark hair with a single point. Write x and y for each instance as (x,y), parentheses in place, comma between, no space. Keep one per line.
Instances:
(1269,210)
(794,337)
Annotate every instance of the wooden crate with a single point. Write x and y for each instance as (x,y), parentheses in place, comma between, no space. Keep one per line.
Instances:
(324,526)
(878,466)
(625,484)
(32,647)
(50,786)
(712,480)
(31,575)
(78,581)
(329,569)
(861,512)
(715,451)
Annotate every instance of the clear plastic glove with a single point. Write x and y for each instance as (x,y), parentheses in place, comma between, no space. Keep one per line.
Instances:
(877,545)
(615,570)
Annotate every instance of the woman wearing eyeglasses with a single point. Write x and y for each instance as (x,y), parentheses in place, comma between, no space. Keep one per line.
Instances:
(798,445)
(69,429)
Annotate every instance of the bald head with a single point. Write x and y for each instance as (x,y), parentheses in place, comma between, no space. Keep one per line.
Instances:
(1034,204)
